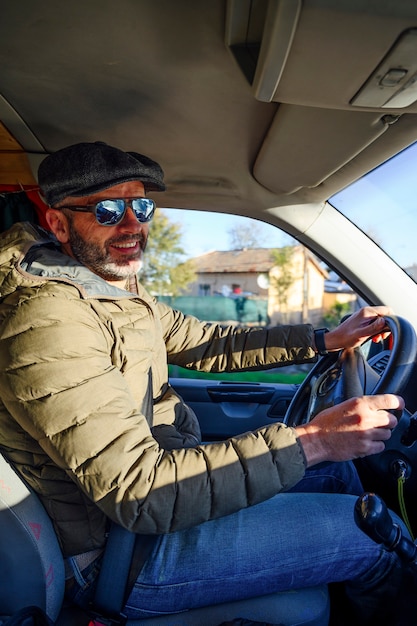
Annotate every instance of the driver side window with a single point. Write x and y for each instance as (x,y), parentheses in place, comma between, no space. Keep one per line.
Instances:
(234,270)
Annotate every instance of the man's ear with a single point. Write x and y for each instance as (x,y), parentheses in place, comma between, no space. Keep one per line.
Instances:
(58,223)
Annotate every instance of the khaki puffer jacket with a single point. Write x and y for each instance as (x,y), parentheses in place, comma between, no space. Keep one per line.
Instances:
(86,412)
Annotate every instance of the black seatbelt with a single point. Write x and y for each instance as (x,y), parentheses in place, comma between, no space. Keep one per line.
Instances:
(124,556)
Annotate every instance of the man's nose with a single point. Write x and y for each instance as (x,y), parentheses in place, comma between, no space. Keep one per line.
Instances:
(130,221)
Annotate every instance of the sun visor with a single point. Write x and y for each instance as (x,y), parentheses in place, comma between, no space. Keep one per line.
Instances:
(260,35)
(14,165)
(288,159)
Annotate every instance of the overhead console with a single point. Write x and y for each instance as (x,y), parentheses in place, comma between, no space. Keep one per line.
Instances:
(341,77)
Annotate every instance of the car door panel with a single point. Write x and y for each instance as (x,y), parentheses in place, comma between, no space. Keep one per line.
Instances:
(226,409)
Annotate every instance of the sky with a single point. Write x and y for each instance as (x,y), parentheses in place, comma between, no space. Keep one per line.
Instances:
(384,203)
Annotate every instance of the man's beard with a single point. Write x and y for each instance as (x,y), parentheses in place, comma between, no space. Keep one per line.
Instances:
(99,260)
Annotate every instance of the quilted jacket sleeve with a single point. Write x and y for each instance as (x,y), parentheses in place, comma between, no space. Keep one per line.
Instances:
(215,348)
(58,382)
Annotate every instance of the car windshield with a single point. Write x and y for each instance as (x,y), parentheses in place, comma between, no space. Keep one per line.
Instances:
(382,205)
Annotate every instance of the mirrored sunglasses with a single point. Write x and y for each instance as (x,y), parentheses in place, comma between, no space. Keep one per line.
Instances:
(111,212)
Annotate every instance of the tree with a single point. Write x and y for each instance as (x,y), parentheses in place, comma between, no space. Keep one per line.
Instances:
(245,235)
(333,316)
(282,282)
(164,271)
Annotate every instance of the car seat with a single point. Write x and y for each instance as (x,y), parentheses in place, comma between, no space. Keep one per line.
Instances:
(32,573)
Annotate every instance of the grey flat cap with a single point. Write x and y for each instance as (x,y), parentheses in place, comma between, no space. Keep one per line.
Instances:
(87,168)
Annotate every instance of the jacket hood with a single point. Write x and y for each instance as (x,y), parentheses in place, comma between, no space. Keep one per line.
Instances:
(29,254)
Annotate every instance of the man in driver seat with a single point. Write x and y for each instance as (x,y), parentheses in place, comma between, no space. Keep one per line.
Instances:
(88,418)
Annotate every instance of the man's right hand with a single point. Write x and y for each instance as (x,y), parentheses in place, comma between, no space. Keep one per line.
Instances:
(355,428)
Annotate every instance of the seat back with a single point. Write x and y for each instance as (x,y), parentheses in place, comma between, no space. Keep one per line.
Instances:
(32,573)
(31,563)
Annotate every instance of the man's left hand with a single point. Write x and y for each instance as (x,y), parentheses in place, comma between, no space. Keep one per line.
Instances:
(365,323)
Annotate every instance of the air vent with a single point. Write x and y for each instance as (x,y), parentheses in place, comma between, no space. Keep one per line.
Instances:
(380,365)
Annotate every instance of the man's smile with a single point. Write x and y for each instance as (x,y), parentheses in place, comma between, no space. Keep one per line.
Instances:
(126,245)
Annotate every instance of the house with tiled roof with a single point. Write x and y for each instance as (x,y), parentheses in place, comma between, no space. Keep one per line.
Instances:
(253,273)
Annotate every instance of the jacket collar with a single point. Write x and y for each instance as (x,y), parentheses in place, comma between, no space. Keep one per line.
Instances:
(45,260)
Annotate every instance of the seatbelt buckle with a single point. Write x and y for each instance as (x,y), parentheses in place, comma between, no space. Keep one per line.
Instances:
(96,619)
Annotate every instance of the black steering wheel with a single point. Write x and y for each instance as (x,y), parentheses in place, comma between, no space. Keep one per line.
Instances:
(352,372)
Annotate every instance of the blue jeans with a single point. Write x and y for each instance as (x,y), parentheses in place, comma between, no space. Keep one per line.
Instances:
(296,539)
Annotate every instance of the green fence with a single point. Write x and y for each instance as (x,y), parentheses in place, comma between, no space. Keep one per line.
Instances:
(240,309)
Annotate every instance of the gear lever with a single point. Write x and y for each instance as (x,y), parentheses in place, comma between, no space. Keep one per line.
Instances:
(373,518)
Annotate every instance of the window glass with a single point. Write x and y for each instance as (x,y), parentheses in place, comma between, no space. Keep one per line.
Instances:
(382,204)
(253,274)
